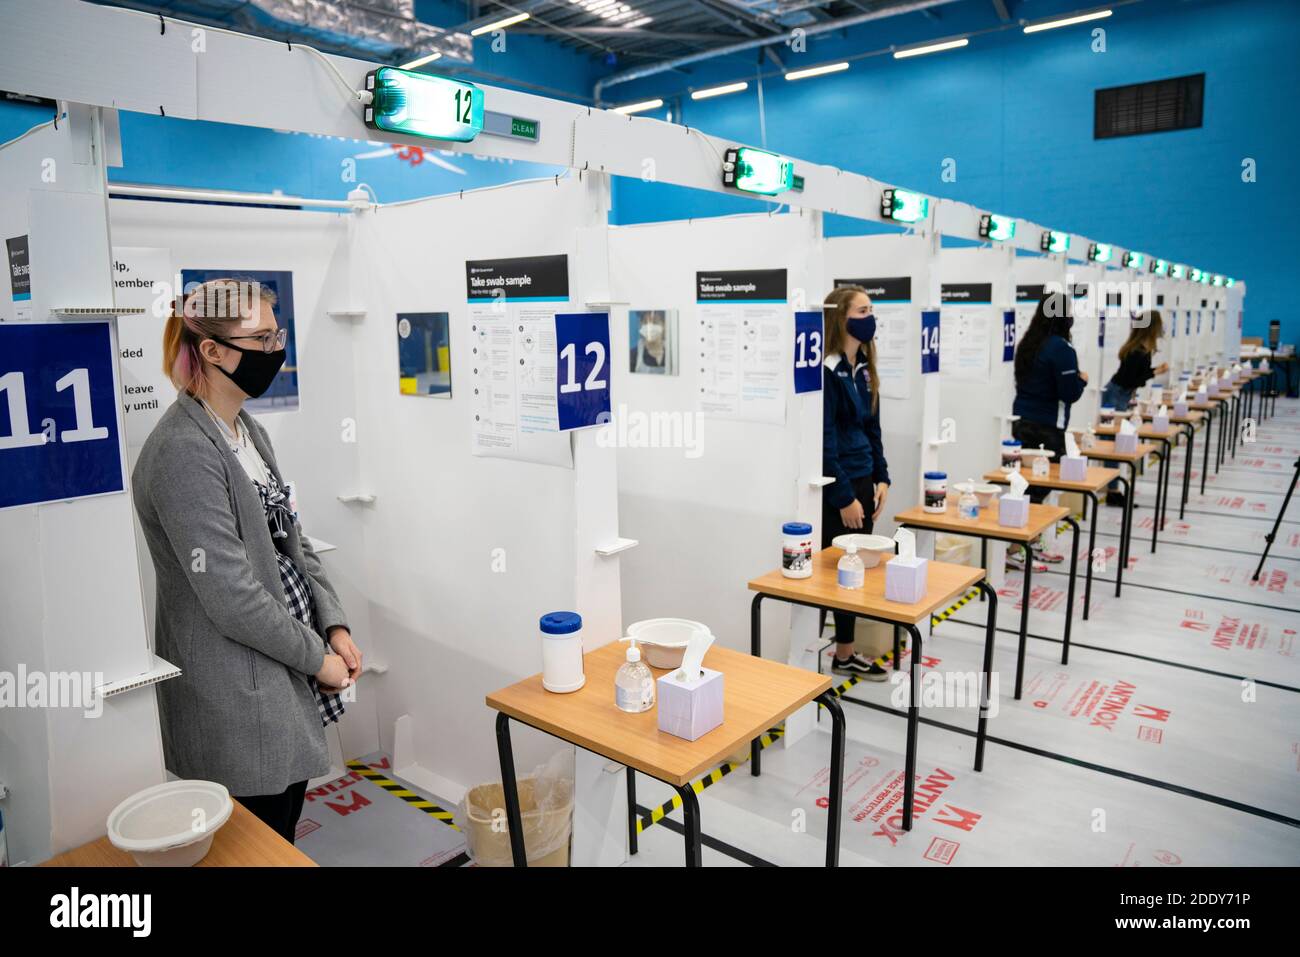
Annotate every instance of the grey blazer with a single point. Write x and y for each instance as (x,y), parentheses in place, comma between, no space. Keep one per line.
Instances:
(241,713)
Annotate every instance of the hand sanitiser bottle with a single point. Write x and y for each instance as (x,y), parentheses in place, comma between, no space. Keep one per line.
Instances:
(850,571)
(634,684)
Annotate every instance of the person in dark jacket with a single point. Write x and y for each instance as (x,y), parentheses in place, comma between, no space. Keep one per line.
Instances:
(1048,382)
(852,450)
(1134,372)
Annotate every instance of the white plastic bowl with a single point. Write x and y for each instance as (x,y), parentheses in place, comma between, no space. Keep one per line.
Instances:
(171,824)
(663,640)
(871,548)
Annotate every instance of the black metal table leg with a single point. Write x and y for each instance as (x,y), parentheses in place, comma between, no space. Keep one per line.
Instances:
(913,713)
(1188,461)
(1092,544)
(1209,440)
(510,789)
(1069,595)
(1124,529)
(898,647)
(984,560)
(836,797)
(690,824)
(1024,617)
(1161,479)
(756,649)
(631,812)
(990,630)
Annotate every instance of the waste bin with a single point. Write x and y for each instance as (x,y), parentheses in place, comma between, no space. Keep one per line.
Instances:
(547,813)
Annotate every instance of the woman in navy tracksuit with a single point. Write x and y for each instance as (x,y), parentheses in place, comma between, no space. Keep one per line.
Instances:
(852,450)
(1048,382)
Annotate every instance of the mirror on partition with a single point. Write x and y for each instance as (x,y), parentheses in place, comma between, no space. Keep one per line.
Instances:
(653,337)
(424,354)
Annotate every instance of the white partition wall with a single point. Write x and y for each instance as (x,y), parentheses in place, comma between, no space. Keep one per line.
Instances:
(69,587)
(707,503)
(1235,296)
(977,387)
(1034,276)
(1089,309)
(909,410)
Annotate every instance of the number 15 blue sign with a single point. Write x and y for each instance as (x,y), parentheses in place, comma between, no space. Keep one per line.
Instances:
(58,413)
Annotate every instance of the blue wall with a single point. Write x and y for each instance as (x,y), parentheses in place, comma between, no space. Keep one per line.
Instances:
(1015,112)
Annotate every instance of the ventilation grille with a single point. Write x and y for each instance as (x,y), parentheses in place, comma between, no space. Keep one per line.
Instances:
(1149,107)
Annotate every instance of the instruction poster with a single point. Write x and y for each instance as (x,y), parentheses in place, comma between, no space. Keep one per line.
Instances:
(891,304)
(20,277)
(966,321)
(513,356)
(745,328)
(142,279)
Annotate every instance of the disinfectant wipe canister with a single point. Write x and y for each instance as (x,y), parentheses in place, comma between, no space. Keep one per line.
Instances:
(936,492)
(796,550)
(1010,455)
(562,651)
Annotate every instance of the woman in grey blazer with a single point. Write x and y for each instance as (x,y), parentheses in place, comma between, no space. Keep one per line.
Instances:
(244,606)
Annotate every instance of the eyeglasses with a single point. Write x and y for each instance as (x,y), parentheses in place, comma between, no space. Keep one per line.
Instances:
(269,341)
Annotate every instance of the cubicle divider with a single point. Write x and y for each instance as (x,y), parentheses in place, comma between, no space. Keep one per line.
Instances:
(714,456)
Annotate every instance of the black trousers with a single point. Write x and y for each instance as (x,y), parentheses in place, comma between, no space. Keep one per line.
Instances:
(832,525)
(1031,435)
(279,812)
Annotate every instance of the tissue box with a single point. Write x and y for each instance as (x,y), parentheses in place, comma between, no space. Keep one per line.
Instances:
(906,579)
(1180,410)
(692,708)
(1212,388)
(1225,383)
(1074,468)
(1125,444)
(1160,423)
(1013,512)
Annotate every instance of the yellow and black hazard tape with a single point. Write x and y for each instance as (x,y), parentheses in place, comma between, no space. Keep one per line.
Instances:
(402,791)
(952,609)
(710,779)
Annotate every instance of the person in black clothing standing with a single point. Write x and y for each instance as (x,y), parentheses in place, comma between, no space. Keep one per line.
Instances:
(1048,382)
(852,450)
(1134,372)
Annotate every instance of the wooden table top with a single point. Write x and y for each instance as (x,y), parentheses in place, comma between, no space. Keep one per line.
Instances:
(944,581)
(1095,479)
(1191,418)
(1104,451)
(243,841)
(1145,432)
(1040,517)
(757,694)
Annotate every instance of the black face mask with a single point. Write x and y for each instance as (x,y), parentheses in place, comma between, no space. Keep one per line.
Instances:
(256,370)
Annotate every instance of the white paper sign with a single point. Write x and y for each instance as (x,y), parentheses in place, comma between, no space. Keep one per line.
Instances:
(141,277)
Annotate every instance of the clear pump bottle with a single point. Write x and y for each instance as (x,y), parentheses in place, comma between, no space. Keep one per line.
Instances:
(850,571)
(634,684)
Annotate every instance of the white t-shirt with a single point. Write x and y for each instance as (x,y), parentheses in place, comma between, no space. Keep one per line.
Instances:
(242,445)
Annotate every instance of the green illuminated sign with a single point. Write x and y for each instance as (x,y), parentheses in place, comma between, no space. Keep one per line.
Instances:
(1100,252)
(1231,282)
(1218,280)
(525,128)
(1054,242)
(1134,260)
(903,206)
(1160,267)
(421,104)
(757,171)
(997,228)
(1178,271)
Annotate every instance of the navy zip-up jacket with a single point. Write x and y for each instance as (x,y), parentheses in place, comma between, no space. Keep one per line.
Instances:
(1045,395)
(851,443)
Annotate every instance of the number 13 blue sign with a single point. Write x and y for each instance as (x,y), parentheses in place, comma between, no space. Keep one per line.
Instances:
(58,413)
(808,352)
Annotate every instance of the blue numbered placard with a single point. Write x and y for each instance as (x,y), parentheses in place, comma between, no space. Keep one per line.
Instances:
(1008,335)
(58,413)
(808,352)
(582,373)
(929,341)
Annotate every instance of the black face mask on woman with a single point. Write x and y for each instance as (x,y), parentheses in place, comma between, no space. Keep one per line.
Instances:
(256,370)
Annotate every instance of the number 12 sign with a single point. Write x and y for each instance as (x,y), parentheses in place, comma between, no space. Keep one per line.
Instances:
(58,413)
(582,375)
